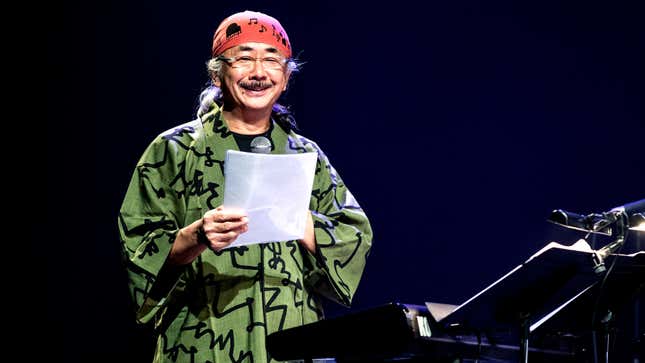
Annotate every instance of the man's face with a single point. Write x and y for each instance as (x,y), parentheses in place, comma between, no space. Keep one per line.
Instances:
(254,77)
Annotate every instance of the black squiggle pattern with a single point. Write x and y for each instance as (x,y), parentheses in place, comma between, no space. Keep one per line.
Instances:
(221,341)
(240,250)
(220,129)
(269,308)
(177,134)
(211,281)
(276,259)
(296,146)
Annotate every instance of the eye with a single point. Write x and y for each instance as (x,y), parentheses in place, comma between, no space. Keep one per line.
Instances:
(245,59)
(272,63)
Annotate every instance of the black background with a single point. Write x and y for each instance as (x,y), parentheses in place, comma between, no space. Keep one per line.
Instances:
(457,125)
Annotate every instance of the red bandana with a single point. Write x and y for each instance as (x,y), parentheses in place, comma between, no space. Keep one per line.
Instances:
(250,26)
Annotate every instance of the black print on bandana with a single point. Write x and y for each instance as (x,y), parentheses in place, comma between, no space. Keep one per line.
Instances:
(279,36)
(232,30)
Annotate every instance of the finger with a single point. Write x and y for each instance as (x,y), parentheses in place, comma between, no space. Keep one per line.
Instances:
(222,240)
(218,238)
(221,214)
(219,246)
(223,227)
(243,228)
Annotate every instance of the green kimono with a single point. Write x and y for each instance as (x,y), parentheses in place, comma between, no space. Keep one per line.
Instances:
(221,307)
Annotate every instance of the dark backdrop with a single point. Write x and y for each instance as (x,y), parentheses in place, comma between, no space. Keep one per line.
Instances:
(457,125)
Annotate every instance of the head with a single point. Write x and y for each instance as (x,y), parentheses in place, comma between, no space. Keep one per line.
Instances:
(251,61)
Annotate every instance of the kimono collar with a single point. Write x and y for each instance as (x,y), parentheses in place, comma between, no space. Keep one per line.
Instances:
(215,129)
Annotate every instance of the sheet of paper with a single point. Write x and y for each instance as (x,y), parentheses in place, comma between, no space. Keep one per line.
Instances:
(273,189)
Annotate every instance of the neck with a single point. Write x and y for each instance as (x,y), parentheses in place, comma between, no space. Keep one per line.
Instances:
(247,122)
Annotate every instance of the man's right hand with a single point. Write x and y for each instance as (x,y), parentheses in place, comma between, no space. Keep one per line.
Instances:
(222,226)
(216,230)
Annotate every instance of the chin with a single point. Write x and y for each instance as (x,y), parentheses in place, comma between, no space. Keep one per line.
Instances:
(259,104)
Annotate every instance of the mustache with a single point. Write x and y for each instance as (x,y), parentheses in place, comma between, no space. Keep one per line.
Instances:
(255,85)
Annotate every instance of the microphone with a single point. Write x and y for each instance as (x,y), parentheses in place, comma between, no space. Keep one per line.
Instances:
(588,223)
(635,213)
(631,208)
(261,145)
(627,216)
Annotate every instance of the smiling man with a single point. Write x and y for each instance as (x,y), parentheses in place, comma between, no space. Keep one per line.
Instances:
(209,303)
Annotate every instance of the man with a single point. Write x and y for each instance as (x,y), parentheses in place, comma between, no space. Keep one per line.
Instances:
(210,303)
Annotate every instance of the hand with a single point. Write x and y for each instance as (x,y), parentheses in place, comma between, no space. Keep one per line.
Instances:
(222,226)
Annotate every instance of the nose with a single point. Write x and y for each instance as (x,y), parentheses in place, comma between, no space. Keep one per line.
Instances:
(257,70)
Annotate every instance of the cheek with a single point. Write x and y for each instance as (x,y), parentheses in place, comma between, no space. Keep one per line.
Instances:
(230,83)
(231,77)
(282,82)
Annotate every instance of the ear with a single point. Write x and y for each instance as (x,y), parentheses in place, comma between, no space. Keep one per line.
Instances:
(217,82)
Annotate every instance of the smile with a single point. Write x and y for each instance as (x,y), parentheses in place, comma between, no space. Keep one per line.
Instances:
(255,86)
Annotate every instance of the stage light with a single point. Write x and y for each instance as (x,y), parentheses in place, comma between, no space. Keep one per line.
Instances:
(637,222)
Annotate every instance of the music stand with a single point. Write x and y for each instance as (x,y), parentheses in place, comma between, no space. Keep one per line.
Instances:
(527,296)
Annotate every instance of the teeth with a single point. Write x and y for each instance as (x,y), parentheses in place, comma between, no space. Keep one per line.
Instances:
(254,88)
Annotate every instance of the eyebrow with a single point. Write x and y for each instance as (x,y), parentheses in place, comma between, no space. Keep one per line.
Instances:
(244,48)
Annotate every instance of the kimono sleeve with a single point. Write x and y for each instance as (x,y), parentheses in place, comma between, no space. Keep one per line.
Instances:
(343,236)
(149,219)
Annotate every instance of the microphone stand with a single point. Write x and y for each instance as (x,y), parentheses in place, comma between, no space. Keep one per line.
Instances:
(620,220)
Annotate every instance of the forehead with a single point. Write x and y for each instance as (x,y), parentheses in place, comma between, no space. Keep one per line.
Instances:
(254,47)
